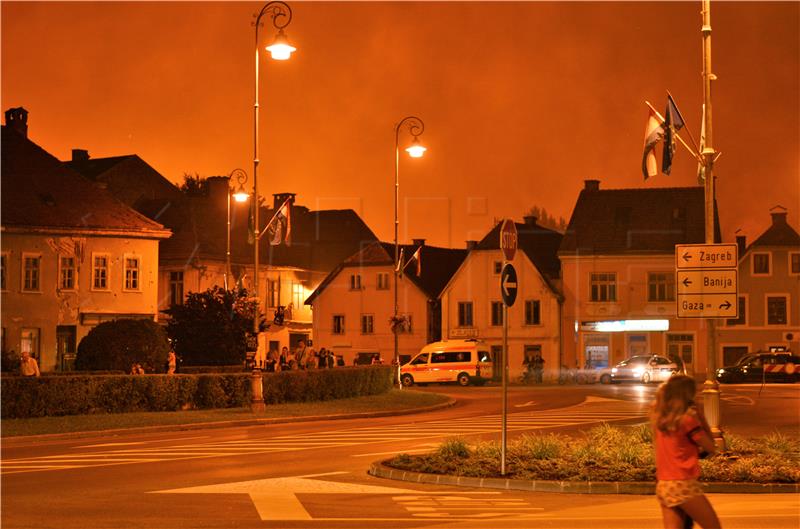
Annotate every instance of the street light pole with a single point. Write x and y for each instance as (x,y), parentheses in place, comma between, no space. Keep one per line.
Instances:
(415,127)
(240,195)
(281,15)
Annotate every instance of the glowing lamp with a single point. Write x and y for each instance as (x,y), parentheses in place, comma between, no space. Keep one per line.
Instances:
(280,49)
(416,149)
(241,195)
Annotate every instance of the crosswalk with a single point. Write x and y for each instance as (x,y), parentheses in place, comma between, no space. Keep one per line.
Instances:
(592,411)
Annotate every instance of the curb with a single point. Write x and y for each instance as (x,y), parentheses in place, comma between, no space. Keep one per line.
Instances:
(225,424)
(380,470)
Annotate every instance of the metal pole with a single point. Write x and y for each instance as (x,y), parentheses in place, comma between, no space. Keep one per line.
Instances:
(254,198)
(504,433)
(228,239)
(711,405)
(396,250)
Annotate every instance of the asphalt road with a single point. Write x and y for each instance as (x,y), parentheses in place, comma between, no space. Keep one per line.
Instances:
(313,475)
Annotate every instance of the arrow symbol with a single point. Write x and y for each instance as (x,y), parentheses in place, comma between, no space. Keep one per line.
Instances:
(508,284)
(686,282)
(725,305)
(686,256)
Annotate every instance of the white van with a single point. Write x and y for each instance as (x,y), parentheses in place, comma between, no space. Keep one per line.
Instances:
(462,361)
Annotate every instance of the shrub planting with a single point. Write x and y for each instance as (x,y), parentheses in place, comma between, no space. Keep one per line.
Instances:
(116,345)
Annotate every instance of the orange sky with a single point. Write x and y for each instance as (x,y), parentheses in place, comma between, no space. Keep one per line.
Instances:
(521,101)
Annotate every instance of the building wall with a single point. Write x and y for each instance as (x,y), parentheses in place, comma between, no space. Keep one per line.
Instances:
(687,336)
(84,307)
(338,298)
(477,282)
(756,333)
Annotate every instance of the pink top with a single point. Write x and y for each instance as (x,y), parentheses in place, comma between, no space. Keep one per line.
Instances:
(676,453)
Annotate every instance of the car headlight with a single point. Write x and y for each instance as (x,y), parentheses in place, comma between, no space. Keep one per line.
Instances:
(638,371)
(613,369)
(720,371)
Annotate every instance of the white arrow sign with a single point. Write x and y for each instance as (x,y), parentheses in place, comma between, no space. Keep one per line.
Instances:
(508,283)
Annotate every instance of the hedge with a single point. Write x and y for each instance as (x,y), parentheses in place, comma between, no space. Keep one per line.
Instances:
(24,397)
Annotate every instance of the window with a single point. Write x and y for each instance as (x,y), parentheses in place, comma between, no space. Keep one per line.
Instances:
(498,267)
(99,272)
(273,292)
(465,314)
(794,263)
(776,310)
(742,319)
(761,264)
(29,341)
(132,264)
(604,287)
(66,273)
(298,295)
(497,313)
(31,270)
(367,324)
(533,312)
(176,288)
(660,286)
(383,281)
(355,282)
(338,324)
(3,271)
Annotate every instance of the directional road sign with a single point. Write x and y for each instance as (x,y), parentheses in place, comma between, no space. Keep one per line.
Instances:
(707,281)
(508,285)
(707,306)
(508,239)
(704,256)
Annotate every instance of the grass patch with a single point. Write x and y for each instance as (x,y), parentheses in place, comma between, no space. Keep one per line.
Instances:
(605,453)
(393,400)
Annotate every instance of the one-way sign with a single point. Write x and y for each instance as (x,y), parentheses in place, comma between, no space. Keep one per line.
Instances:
(508,285)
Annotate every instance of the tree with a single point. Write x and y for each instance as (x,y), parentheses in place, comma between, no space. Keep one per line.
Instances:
(546,220)
(116,345)
(210,328)
(194,186)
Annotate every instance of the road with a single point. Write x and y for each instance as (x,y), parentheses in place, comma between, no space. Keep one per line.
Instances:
(313,475)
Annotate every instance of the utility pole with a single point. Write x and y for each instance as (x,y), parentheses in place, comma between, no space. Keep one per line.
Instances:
(710,387)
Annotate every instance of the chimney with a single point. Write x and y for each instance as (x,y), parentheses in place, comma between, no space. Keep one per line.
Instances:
(218,190)
(591,185)
(17,120)
(471,245)
(778,214)
(279,198)
(741,242)
(530,220)
(418,242)
(80,155)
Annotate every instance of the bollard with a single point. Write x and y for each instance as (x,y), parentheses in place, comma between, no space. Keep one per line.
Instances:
(256,384)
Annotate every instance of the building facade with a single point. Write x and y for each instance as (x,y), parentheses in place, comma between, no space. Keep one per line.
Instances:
(472,306)
(72,255)
(769,293)
(618,271)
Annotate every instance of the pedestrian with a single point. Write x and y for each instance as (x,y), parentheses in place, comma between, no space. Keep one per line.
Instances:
(681,435)
(538,368)
(272,361)
(28,367)
(527,364)
(312,361)
(172,362)
(283,360)
(301,354)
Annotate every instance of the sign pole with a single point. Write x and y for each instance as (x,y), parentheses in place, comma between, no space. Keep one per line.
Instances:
(504,436)
(508,291)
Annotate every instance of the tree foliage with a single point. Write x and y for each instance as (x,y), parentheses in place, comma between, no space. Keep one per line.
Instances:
(547,220)
(194,185)
(210,328)
(115,345)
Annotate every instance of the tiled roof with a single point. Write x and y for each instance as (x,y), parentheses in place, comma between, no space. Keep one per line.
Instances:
(437,265)
(539,244)
(38,192)
(780,233)
(636,221)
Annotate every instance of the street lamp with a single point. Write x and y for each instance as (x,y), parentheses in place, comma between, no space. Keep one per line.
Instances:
(415,127)
(239,195)
(281,15)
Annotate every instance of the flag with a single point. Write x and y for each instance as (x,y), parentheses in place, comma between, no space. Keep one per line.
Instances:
(418,257)
(701,167)
(281,224)
(398,266)
(673,121)
(652,135)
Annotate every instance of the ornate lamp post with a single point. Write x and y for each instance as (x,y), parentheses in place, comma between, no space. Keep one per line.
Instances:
(415,127)
(281,15)
(239,195)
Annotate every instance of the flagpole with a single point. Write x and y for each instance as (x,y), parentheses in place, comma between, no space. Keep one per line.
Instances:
(660,117)
(711,404)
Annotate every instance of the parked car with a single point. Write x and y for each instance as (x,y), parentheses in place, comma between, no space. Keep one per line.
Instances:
(762,367)
(644,369)
(462,361)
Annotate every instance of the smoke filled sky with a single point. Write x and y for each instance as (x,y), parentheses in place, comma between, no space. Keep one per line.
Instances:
(521,101)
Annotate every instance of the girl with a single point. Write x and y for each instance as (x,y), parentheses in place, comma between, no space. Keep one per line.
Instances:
(680,432)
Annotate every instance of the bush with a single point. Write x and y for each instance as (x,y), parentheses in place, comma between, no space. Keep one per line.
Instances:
(116,345)
(326,384)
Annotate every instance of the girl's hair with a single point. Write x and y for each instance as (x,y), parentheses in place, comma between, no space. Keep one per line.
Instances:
(673,398)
